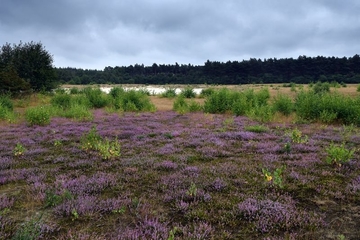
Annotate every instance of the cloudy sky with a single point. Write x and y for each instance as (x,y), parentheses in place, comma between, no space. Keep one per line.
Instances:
(93,34)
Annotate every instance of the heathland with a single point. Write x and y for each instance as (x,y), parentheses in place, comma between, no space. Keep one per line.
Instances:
(244,162)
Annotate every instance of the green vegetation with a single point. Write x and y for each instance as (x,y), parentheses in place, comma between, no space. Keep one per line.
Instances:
(26,67)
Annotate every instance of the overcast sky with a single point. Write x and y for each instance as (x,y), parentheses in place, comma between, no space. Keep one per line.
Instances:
(93,34)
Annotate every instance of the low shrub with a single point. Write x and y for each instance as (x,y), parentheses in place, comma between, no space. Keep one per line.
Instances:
(96,97)
(206,92)
(169,93)
(283,104)
(6,102)
(62,101)
(38,116)
(338,155)
(131,101)
(188,92)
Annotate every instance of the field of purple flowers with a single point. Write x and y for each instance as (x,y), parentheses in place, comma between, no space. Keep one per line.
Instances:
(177,176)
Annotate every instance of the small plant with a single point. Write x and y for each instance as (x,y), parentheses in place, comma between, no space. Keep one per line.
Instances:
(275,177)
(338,155)
(297,136)
(108,149)
(287,148)
(30,229)
(74,214)
(192,190)
(90,140)
(19,150)
(121,210)
(358,88)
(57,143)
(52,199)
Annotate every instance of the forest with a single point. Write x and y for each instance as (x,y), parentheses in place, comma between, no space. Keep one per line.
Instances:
(302,70)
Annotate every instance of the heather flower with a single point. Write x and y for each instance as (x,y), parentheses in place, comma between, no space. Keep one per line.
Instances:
(167,165)
(6,202)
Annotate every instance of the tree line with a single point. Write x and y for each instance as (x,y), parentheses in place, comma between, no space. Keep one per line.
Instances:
(28,67)
(301,70)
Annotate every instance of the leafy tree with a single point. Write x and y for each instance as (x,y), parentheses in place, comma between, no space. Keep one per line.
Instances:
(26,65)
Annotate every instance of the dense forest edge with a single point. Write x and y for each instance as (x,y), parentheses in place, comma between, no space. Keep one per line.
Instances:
(28,67)
(302,70)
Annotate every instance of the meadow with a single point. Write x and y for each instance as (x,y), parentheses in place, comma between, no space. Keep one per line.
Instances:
(263,162)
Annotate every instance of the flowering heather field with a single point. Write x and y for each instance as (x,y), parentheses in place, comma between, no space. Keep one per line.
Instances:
(191,176)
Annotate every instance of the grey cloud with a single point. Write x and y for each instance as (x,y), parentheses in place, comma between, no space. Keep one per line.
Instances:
(95,34)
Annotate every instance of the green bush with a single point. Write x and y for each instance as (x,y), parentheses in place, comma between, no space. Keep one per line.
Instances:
(78,112)
(116,92)
(62,101)
(241,105)
(219,102)
(188,92)
(6,102)
(38,116)
(283,104)
(169,93)
(206,92)
(327,107)
(96,97)
(262,113)
(194,106)
(131,101)
(180,105)
(320,87)
(74,91)
(358,88)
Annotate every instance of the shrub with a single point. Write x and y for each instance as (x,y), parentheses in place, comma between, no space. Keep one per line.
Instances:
(240,105)
(188,92)
(38,116)
(194,106)
(358,88)
(6,113)
(264,113)
(96,97)
(116,92)
(62,101)
(320,87)
(132,101)
(180,105)
(169,93)
(74,90)
(6,102)
(78,112)
(207,92)
(283,104)
(219,102)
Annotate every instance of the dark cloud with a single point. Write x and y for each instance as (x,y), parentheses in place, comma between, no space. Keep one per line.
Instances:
(95,34)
